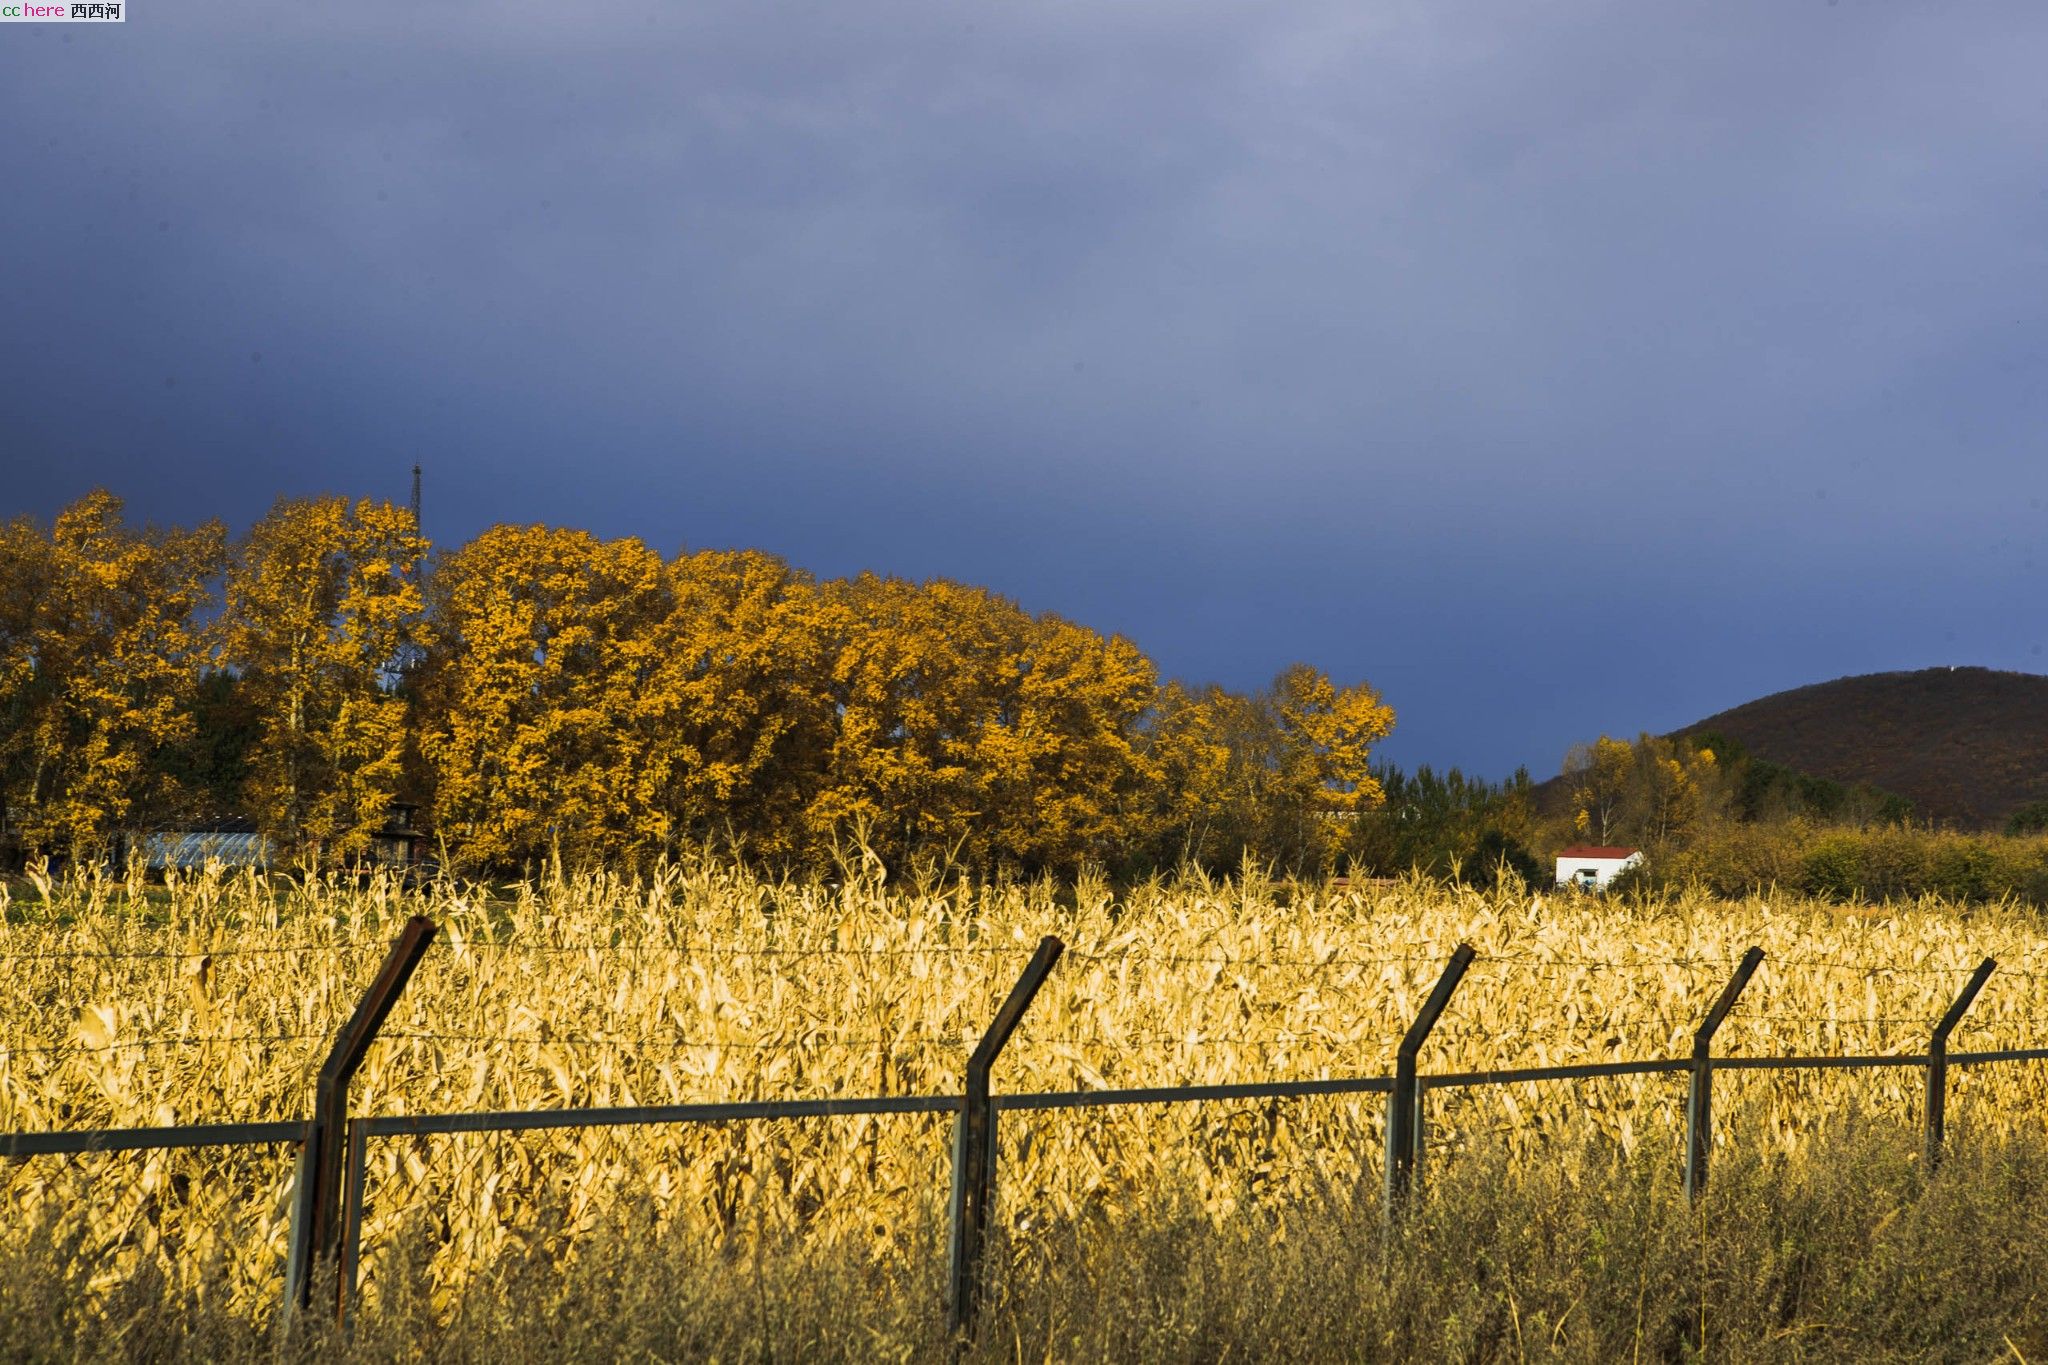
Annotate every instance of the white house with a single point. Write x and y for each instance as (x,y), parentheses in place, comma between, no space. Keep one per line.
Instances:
(1590,867)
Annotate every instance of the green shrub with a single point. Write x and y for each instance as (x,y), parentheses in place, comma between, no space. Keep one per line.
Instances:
(1833,868)
(1880,863)
(2031,818)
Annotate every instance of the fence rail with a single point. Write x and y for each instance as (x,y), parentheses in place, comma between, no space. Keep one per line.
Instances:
(148,1139)
(86,1141)
(327,1205)
(529,1120)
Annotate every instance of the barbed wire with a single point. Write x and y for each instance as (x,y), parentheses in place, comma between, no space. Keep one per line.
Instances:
(1209,1041)
(722,950)
(187,954)
(1258,960)
(1264,960)
(1968,1021)
(656,1042)
(1872,968)
(1075,1039)
(67,1049)
(1872,1021)
(1530,955)
(648,1043)
(1480,959)
(1483,958)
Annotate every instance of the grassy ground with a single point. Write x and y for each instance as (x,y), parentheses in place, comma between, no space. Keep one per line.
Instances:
(1844,1251)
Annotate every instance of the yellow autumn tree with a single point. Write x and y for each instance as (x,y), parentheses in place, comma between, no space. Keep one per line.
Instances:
(1655,789)
(102,656)
(322,602)
(1680,785)
(1599,775)
(582,696)
(1277,773)
(26,564)
(909,682)
(1190,817)
(738,705)
(1327,733)
(1323,774)
(968,729)
(539,724)
(1064,773)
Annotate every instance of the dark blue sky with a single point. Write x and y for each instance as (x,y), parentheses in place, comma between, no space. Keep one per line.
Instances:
(1557,368)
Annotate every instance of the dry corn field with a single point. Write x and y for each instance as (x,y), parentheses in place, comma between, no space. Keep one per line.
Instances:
(215,999)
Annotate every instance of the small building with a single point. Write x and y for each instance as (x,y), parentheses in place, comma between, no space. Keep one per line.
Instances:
(399,845)
(226,843)
(1591,867)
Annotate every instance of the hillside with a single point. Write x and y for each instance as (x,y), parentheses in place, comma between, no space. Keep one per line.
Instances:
(1967,746)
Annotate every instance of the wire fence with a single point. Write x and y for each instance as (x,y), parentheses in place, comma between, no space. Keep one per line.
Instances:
(329,1187)
(1258,960)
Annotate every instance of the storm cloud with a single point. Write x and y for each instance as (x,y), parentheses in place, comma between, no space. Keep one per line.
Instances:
(1558,368)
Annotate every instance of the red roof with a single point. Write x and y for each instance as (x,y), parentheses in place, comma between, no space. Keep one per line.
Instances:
(1595,851)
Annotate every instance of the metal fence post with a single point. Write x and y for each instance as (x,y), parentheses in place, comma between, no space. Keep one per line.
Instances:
(1937,1060)
(316,1232)
(1699,1107)
(355,1176)
(974,1144)
(1404,1104)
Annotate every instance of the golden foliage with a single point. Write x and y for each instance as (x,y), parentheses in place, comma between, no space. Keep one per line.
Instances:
(968,726)
(542,693)
(322,604)
(99,655)
(541,708)
(1656,789)
(743,712)
(1277,772)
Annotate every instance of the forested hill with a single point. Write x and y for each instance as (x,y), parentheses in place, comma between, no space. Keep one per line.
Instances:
(1967,746)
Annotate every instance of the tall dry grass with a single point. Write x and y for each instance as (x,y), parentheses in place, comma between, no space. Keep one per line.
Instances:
(1844,1251)
(213,1000)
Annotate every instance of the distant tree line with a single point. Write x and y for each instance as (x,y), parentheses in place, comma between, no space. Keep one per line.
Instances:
(1654,792)
(1450,827)
(540,692)
(1710,814)
(1707,813)
(1664,789)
